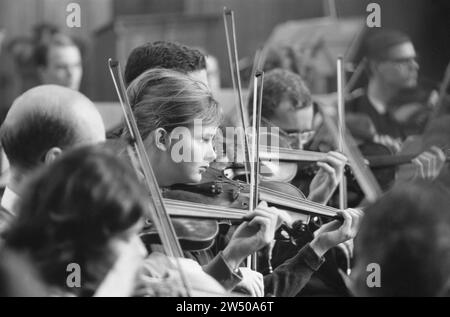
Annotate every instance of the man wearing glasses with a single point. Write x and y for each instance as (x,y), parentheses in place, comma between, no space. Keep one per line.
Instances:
(287,104)
(392,67)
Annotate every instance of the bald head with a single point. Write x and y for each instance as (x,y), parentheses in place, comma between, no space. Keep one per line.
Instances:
(47,117)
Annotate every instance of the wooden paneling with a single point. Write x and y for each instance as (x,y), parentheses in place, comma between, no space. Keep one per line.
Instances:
(125,7)
(428,22)
(126,33)
(19,16)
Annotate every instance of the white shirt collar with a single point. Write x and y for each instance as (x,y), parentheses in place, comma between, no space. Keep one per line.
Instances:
(378,105)
(9,200)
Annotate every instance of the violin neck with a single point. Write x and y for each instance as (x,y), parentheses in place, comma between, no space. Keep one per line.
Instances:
(296,203)
(392,160)
(283,154)
(179,208)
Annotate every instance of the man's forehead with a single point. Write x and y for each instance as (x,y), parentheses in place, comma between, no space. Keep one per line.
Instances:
(63,52)
(402,50)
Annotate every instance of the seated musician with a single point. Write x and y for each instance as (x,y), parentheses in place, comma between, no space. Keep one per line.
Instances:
(166,102)
(185,59)
(168,55)
(287,104)
(403,247)
(58,62)
(41,124)
(86,209)
(392,67)
(161,54)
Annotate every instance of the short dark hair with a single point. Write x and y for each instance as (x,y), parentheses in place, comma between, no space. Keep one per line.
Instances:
(162,54)
(71,210)
(278,85)
(40,31)
(57,40)
(26,145)
(407,233)
(281,57)
(379,42)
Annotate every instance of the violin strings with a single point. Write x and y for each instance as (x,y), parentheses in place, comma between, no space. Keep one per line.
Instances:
(295,202)
(207,211)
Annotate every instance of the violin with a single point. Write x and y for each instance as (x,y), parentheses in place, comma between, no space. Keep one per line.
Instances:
(281,162)
(278,194)
(199,211)
(196,224)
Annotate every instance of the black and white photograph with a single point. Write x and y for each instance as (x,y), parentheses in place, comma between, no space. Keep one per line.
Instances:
(224,149)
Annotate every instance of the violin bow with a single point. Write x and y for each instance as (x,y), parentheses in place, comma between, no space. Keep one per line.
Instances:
(233,60)
(363,174)
(256,127)
(256,65)
(341,130)
(255,162)
(351,83)
(158,213)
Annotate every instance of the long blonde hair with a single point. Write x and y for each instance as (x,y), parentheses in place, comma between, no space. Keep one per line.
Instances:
(163,98)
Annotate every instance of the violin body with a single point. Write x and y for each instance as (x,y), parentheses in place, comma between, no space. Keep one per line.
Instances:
(235,194)
(193,234)
(200,234)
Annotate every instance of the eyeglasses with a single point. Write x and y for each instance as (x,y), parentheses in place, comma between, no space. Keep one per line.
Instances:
(300,138)
(406,61)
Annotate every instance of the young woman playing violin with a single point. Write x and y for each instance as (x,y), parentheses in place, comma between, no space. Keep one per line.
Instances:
(178,118)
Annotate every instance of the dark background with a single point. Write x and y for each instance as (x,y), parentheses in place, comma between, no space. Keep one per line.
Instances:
(113,27)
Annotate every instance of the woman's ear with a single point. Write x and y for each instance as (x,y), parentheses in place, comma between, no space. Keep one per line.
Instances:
(162,139)
(52,155)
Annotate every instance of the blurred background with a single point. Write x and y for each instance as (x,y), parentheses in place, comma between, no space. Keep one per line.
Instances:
(318,29)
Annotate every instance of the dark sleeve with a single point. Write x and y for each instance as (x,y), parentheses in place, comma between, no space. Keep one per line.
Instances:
(288,279)
(5,220)
(351,105)
(225,275)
